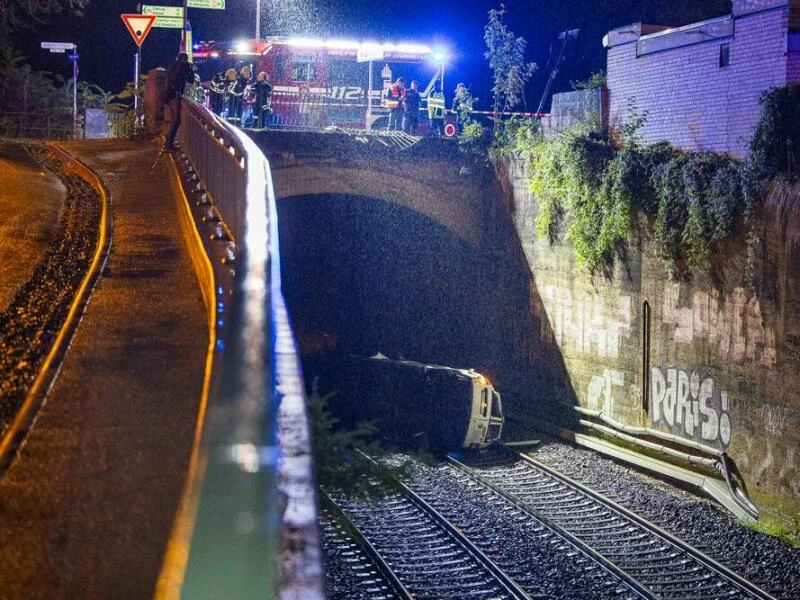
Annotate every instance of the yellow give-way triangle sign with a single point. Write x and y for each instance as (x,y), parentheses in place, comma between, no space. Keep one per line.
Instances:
(139,26)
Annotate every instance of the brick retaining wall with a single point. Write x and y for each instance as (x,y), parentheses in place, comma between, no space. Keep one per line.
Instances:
(723,361)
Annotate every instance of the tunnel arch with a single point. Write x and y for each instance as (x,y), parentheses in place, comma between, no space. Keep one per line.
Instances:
(452,204)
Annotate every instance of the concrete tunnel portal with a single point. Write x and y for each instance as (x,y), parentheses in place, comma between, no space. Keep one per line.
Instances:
(398,252)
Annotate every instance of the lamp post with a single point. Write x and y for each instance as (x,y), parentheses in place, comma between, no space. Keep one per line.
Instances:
(73,58)
(258,20)
(440,57)
(185,19)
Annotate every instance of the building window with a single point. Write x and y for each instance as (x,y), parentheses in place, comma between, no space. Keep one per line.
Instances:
(724,55)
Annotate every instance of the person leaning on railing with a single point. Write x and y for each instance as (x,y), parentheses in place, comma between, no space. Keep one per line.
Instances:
(179,74)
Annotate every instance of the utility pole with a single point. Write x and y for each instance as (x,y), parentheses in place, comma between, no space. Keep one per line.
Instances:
(74,58)
(567,35)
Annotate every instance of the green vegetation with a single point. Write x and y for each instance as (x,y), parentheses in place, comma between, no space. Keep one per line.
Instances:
(37,103)
(341,456)
(506,55)
(595,81)
(780,525)
(589,184)
(775,147)
(473,146)
(16,14)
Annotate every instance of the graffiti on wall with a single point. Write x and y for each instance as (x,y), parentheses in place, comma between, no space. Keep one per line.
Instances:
(775,460)
(600,395)
(690,406)
(733,325)
(592,324)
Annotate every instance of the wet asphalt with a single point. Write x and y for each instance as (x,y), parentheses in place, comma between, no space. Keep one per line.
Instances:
(87,507)
(31,200)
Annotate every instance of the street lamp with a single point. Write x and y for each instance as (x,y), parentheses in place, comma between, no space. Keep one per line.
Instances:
(258,20)
(440,57)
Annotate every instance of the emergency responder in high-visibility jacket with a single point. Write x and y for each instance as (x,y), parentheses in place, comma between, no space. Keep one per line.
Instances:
(436,110)
(395,95)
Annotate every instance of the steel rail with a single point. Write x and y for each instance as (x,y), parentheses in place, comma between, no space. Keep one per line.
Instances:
(386,569)
(637,587)
(507,582)
(511,586)
(698,555)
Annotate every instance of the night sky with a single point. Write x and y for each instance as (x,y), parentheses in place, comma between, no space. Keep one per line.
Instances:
(106,49)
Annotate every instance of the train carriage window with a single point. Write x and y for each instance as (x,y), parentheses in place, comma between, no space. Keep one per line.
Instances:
(497,407)
(484,401)
(304,67)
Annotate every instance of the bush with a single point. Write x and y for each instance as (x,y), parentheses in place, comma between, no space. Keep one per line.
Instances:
(587,189)
(700,194)
(775,147)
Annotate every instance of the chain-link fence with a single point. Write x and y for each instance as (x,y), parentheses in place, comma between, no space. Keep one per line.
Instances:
(50,125)
(59,125)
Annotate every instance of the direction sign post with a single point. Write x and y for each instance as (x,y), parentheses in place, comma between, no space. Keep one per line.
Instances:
(170,17)
(60,48)
(213,4)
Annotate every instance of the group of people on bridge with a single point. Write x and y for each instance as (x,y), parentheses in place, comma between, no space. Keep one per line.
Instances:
(244,101)
(240,99)
(404,106)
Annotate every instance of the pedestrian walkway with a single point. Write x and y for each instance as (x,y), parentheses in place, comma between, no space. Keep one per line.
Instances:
(87,508)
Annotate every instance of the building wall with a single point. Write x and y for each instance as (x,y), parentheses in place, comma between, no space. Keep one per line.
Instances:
(689,98)
(723,358)
(793,68)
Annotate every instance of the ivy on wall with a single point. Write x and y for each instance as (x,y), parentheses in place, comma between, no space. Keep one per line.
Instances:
(775,147)
(589,184)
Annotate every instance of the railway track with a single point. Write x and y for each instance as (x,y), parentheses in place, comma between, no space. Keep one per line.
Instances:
(657,564)
(434,540)
(360,572)
(425,555)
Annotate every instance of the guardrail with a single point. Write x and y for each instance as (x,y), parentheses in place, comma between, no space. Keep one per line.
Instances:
(247,526)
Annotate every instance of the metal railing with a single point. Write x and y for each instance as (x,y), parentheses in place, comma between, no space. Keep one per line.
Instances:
(58,125)
(249,513)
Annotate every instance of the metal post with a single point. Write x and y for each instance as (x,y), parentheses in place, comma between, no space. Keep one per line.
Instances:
(137,65)
(369,99)
(75,91)
(183,31)
(258,20)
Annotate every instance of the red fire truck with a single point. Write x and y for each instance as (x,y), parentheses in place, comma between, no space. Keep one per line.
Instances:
(333,83)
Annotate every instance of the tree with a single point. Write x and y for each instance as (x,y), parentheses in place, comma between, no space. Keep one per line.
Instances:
(506,55)
(23,89)
(15,13)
